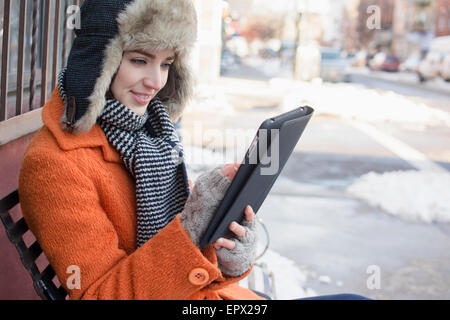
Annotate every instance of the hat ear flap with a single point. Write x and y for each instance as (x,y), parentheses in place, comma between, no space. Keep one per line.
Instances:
(112,58)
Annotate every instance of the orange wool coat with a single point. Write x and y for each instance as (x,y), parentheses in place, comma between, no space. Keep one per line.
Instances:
(79,201)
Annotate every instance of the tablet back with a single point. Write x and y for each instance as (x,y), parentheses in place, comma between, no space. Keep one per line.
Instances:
(264,160)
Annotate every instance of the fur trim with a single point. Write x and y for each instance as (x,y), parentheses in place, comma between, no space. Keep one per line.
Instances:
(158,24)
(145,25)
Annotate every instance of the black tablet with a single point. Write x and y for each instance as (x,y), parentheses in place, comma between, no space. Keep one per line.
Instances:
(274,142)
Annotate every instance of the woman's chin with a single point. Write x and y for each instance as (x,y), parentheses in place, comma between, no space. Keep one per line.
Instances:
(139,110)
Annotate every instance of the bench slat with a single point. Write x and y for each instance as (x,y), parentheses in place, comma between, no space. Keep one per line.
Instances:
(42,281)
(35,251)
(16,230)
(9,202)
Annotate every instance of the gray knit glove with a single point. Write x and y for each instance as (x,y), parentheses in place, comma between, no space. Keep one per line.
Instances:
(237,261)
(203,201)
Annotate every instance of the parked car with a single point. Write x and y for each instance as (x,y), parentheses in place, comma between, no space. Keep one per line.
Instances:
(359,59)
(376,61)
(445,68)
(429,68)
(384,61)
(333,67)
(435,63)
(411,64)
(391,63)
(229,61)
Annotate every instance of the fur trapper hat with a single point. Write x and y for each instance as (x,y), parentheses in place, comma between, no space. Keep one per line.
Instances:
(108,28)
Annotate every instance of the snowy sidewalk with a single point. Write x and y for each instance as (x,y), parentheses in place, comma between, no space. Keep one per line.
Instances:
(407,78)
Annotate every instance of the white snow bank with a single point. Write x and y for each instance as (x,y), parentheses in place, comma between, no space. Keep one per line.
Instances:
(199,160)
(209,97)
(288,278)
(344,100)
(411,195)
(351,101)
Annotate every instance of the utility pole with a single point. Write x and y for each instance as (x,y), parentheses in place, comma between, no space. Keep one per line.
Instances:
(298,20)
(301,11)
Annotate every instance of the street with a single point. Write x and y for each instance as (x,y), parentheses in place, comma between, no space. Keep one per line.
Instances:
(312,219)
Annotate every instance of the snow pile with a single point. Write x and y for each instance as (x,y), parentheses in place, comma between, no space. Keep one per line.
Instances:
(268,67)
(288,278)
(350,101)
(210,98)
(199,160)
(344,100)
(411,195)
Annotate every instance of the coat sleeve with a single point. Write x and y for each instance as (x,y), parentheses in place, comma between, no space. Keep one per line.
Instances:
(62,208)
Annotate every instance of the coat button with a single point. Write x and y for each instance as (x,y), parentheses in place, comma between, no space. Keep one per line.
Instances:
(198,276)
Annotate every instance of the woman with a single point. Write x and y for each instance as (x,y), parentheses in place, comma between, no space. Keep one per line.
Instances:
(103,186)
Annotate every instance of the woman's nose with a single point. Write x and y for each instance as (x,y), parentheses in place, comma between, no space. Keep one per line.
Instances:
(153,80)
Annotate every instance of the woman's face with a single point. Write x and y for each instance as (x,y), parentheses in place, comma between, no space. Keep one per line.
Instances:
(141,75)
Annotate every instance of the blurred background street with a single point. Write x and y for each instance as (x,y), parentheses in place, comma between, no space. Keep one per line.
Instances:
(367,184)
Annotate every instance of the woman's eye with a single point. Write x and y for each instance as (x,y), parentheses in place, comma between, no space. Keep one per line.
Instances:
(166,65)
(138,61)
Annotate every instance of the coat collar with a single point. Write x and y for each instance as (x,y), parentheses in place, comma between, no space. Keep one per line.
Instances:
(51,116)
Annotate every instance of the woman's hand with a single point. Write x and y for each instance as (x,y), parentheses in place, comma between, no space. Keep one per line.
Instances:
(236,255)
(229,170)
(204,199)
(237,229)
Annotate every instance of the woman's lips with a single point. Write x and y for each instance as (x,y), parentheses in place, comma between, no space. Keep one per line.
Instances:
(141,99)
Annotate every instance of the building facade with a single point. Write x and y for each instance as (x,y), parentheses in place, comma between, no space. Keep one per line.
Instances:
(442,11)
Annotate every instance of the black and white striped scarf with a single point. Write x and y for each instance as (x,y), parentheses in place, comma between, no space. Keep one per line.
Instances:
(150,149)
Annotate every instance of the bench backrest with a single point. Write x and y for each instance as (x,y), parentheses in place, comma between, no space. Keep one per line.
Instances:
(42,281)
